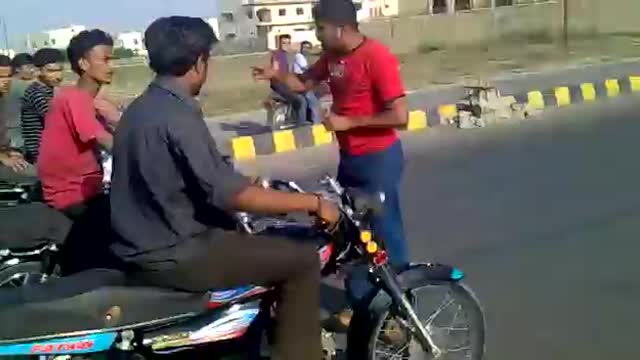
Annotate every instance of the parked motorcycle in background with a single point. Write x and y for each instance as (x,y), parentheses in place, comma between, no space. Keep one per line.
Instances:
(30,236)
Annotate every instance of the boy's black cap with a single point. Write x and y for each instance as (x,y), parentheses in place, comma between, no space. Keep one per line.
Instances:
(336,12)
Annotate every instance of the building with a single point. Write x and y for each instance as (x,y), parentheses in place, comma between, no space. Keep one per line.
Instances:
(213,22)
(133,40)
(235,21)
(8,52)
(267,20)
(56,38)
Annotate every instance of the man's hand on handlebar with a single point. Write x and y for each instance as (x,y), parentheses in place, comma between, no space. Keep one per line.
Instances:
(327,214)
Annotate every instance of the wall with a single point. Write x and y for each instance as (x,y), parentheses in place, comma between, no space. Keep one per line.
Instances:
(406,34)
(604,17)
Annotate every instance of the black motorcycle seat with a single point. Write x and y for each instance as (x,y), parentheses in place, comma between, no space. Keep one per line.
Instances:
(28,226)
(88,301)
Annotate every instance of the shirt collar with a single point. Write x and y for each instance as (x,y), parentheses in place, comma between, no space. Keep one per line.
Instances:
(171,84)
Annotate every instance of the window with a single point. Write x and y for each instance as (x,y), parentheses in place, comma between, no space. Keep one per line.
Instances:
(358,6)
(462,5)
(227,16)
(504,2)
(299,11)
(53,41)
(439,7)
(230,36)
(282,12)
(135,42)
(250,13)
(264,15)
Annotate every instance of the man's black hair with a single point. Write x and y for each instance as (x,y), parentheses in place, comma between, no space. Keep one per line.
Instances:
(336,12)
(5,61)
(305,43)
(285,36)
(82,43)
(176,43)
(21,59)
(46,56)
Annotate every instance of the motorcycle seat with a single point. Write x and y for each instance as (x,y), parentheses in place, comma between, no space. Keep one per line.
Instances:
(100,299)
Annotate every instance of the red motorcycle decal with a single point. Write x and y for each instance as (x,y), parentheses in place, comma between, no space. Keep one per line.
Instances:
(62,347)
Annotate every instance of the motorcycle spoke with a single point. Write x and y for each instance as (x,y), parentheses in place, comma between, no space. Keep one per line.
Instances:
(439,310)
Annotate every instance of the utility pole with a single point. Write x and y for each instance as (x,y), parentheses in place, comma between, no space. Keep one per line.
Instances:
(565,23)
(6,36)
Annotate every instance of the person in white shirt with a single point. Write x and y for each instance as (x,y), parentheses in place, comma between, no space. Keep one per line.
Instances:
(300,66)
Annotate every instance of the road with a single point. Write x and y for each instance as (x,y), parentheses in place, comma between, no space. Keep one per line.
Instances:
(544,216)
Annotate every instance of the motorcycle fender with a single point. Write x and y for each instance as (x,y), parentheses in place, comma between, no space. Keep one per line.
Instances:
(416,276)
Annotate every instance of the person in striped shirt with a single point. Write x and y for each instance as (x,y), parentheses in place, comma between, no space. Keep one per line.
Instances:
(36,99)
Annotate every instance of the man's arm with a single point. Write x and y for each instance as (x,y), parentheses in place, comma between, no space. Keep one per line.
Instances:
(294,82)
(226,188)
(86,125)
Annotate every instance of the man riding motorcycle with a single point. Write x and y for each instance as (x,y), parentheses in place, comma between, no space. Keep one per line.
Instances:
(172,191)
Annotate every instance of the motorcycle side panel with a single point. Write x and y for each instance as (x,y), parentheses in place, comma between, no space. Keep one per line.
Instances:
(224,297)
(65,346)
(229,324)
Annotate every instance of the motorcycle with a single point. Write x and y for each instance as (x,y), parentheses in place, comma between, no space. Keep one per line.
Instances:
(30,237)
(280,113)
(94,312)
(29,252)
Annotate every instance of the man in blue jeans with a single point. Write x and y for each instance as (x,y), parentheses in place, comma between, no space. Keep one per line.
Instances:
(368,105)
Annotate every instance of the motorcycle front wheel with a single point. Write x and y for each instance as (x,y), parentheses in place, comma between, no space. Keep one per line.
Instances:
(450,312)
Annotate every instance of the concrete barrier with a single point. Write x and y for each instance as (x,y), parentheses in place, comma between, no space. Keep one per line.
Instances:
(421,118)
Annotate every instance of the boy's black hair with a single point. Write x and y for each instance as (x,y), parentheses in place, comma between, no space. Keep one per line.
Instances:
(46,56)
(82,43)
(20,60)
(5,61)
(176,43)
(336,12)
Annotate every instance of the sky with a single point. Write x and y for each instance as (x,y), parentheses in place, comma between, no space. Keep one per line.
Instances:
(25,16)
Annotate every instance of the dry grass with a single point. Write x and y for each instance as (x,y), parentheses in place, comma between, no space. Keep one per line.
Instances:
(230,88)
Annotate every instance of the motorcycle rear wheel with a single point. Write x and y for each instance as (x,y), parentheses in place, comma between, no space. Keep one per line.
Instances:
(384,335)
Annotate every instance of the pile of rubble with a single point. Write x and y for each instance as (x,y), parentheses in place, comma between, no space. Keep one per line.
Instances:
(484,106)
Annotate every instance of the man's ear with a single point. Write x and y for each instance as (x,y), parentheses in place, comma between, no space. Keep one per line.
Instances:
(201,65)
(83,64)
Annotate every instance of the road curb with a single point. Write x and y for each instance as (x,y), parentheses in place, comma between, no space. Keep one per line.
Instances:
(248,147)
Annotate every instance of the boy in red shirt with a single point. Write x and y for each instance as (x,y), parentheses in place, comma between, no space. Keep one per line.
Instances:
(368,105)
(67,162)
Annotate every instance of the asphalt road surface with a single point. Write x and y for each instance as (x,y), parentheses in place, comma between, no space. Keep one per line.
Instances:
(544,217)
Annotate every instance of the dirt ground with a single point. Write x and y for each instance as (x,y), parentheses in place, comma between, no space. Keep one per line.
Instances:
(230,88)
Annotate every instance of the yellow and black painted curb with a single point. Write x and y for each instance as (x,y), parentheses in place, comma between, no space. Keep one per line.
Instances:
(248,147)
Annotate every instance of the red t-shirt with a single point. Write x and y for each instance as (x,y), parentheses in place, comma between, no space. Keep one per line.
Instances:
(67,162)
(362,84)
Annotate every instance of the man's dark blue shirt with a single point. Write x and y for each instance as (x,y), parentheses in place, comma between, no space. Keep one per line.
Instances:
(170,183)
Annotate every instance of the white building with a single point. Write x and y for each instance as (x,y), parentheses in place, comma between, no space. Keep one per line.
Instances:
(213,22)
(132,40)
(55,38)
(8,52)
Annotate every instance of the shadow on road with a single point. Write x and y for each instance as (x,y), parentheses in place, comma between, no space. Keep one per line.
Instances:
(244,128)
